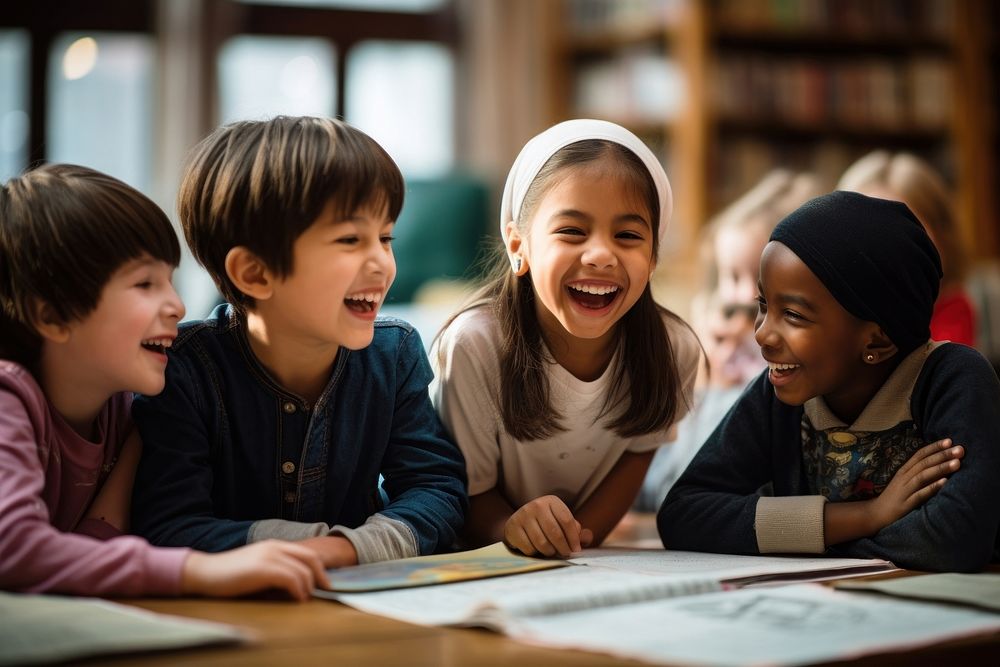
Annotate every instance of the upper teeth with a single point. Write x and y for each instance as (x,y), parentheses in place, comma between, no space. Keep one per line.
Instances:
(366,296)
(781,367)
(162,342)
(595,289)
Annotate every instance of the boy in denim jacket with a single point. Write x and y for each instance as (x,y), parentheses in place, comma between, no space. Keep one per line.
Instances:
(284,407)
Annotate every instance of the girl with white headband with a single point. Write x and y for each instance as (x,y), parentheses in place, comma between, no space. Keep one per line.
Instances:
(562,376)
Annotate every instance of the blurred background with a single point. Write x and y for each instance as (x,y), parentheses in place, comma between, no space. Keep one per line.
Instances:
(722,90)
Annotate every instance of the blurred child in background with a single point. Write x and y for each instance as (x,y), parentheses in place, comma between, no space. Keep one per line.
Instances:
(906,178)
(723,317)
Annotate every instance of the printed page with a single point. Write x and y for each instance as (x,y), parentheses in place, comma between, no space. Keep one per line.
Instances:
(978,590)
(792,625)
(493,603)
(739,570)
(38,629)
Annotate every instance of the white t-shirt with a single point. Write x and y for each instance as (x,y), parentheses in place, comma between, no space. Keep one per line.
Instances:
(570,464)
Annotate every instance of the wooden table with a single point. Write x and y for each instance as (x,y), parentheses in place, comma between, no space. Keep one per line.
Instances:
(329,633)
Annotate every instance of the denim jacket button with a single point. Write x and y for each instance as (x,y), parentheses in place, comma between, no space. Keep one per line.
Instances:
(288,407)
(288,467)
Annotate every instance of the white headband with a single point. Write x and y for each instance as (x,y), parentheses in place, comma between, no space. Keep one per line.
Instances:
(537,152)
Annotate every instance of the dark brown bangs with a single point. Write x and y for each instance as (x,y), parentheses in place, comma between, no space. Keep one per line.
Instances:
(71,228)
(362,175)
(261,184)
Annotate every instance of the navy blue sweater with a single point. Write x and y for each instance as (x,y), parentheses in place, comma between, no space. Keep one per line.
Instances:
(758,445)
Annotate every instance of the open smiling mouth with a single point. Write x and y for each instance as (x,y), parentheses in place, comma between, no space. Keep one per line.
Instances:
(363,303)
(160,345)
(592,297)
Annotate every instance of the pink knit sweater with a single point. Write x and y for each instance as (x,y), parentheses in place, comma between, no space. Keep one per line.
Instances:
(49,475)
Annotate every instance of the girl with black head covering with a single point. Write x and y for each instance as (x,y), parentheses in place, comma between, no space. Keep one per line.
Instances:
(863,438)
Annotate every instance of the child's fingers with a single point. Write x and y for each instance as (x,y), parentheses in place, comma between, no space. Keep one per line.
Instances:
(553,533)
(586,537)
(539,540)
(924,494)
(282,573)
(924,452)
(569,529)
(933,473)
(518,538)
(309,558)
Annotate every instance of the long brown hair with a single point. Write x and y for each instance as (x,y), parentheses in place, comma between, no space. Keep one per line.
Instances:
(645,384)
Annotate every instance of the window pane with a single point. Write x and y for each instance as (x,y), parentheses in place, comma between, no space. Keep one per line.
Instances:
(401,93)
(101,104)
(368,5)
(14,47)
(261,77)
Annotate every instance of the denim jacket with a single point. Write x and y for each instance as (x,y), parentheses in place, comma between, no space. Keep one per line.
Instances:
(225,446)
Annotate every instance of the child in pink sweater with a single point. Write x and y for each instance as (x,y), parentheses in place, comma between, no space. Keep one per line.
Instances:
(87,315)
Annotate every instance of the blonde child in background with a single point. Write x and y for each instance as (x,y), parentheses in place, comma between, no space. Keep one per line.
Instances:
(723,317)
(563,376)
(87,315)
(905,177)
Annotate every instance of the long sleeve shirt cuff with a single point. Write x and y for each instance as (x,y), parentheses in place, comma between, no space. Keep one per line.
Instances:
(791,524)
(165,568)
(280,529)
(380,538)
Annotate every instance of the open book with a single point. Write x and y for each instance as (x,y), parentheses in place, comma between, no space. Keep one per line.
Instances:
(681,607)
(493,561)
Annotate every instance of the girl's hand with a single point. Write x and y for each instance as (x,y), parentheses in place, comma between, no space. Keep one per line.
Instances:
(545,526)
(916,482)
(270,564)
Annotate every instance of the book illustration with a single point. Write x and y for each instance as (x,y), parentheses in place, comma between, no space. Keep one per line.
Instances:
(755,627)
(777,611)
(492,561)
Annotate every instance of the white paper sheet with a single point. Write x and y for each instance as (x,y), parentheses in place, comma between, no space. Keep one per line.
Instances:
(792,625)
(37,629)
(506,597)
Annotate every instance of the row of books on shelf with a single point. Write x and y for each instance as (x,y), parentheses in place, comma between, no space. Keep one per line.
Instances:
(855,18)
(883,94)
(640,86)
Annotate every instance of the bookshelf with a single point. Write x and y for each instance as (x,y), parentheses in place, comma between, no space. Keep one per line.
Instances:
(726,89)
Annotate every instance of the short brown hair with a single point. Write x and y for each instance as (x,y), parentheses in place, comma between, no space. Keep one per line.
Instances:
(261,184)
(64,230)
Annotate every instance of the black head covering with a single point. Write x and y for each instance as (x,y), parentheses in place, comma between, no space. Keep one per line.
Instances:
(875,258)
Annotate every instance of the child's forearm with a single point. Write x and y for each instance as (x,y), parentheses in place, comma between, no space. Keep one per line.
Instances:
(614,496)
(488,514)
(843,522)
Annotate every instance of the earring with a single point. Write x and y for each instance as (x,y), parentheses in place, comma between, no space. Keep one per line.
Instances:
(870,358)
(516,264)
